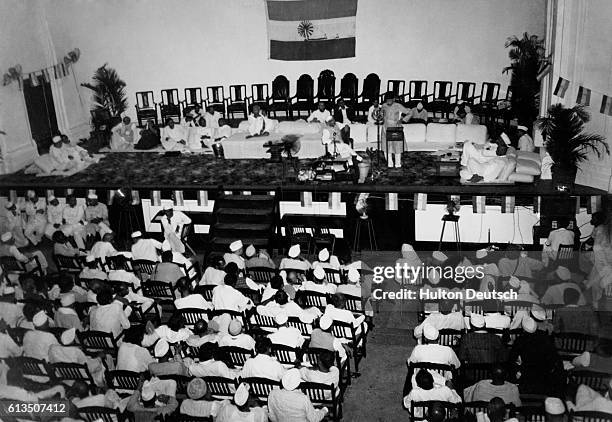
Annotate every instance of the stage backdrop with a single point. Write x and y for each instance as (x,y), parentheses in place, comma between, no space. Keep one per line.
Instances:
(311,29)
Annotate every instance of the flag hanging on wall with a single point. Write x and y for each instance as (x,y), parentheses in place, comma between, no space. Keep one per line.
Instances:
(311,29)
(606,105)
(561,88)
(584,96)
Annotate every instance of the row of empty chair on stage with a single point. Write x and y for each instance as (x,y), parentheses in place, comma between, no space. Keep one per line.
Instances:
(276,97)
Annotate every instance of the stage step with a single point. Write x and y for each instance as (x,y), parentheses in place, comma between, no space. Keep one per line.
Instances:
(249,218)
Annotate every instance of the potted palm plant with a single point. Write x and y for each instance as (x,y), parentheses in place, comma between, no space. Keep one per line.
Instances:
(526,60)
(567,143)
(109,95)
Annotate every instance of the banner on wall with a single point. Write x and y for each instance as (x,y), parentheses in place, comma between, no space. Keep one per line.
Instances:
(311,29)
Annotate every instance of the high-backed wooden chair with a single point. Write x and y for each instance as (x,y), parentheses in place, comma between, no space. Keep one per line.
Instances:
(215,98)
(440,98)
(370,92)
(237,101)
(464,93)
(398,88)
(260,95)
(146,108)
(486,103)
(193,97)
(170,106)
(303,100)
(417,92)
(326,87)
(280,100)
(349,86)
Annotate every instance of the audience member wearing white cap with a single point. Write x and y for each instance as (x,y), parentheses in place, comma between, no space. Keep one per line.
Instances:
(290,403)
(318,283)
(236,338)
(263,365)
(66,316)
(228,298)
(145,248)
(172,223)
(326,260)
(336,310)
(242,409)
(282,304)
(285,335)
(36,342)
(519,264)
(69,352)
(156,397)
(235,254)
(433,352)
(35,209)
(55,212)
(427,387)
(74,220)
(96,216)
(165,365)
(554,408)
(322,338)
(445,318)
(557,237)
(525,142)
(9,248)
(479,345)
(294,260)
(411,261)
(258,258)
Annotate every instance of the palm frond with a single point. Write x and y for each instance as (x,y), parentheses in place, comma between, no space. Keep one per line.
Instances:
(108,90)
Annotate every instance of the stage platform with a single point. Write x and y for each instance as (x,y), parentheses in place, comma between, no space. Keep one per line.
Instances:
(191,173)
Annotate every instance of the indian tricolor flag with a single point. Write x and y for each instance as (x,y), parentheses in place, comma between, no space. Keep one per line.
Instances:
(311,29)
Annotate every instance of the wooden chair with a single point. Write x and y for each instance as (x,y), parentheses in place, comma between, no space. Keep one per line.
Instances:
(464,93)
(397,88)
(261,324)
(333,276)
(303,100)
(354,304)
(439,100)
(160,291)
(356,341)
(587,416)
(237,355)
(170,106)
(471,373)
(570,345)
(181,383)
(304,327)
(470,409)
(326,87)
(146,108)
(254,295)
(420,409)
(531,413)
(280,99)
(565,254)
(260,387)
(10,265)
(260,96)
(486,103)
(511,307)
(324,395)
(344,368)
(193,97)
(370,91)
(31,366)
(474,307)
(119,262)
(98,413)
(449,337)
(598,381)
(124,382)
(215,98)
(314,299)
(237,101)
(69,264)
(261,275)
(143,268)
(190,316)
(72,372)
(417,92)
(440,368)
(94,342)
(221,388)
(206,290)
(286,355)
(349,86)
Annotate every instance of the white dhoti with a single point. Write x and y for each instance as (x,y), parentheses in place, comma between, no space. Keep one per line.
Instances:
(484,163)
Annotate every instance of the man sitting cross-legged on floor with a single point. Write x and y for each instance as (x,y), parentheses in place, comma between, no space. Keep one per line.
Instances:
(259,124)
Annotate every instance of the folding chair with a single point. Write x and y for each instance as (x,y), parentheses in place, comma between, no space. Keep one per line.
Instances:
(146,108)
(286,355)
(221,388)
(420,409)
(97,413)
(314,299)
(124,382)
(63,372)
(357,341)
(570,345)
(531,413)
(206,290)
(587,416)
(304,327)
(598,381)
(324,395)
(333,276)
(354,304)
(471,373)
(261,324)
(10,265)
(313,355)
(449,337)
(143,268)
(261,275)
(119,263)
(260,387)
(94,342)
(31,366)
(190,316)
(237,355)
(69,264)
(161,291)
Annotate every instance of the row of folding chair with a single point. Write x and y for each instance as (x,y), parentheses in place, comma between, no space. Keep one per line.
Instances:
(11,266)
(509,307)
(276,97)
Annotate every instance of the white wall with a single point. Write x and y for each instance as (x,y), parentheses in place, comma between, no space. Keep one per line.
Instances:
(583,55)
(156,44)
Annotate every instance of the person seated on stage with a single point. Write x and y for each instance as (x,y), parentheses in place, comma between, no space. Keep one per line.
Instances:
(574,317)
(561,236)
(463,114)
(149,137)
(344,116)
(320,115)
(235,254)
(35,210)
(96,215)
(427,390)
(486,162)
(333,137)
(374,112)
(217,128)
(294,260)
(259,124)
(63,247)
(525,142)
(73,217)
(197,133)
(66,156)
(78,153)
(145,248)
(444,319)
(419,114)
(173,137)
(9,248)
(55,212)
(257,258)
(393,117)
(123,135)
(13,222)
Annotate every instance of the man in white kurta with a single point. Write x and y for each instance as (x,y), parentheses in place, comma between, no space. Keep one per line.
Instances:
(35,210)
(556,238)
(481,161)
(55,216)
(74,219)
(62,155)
(123,135)
(147,249)
(173,223)
(96,215)
(525,142)
(174,137)
(320,115)
(259,124)
(215,129)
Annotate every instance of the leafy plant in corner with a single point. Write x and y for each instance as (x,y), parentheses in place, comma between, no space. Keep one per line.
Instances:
(109,92)
(526,60)
(566,141)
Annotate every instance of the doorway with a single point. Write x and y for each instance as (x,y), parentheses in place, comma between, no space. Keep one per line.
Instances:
(41,113)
